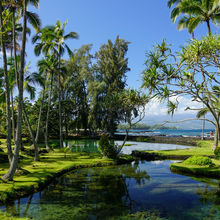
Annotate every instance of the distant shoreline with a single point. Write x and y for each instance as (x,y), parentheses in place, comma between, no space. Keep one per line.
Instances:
(163,139)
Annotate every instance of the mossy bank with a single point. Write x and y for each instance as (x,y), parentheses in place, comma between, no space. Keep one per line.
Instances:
(203,149)
(36,175)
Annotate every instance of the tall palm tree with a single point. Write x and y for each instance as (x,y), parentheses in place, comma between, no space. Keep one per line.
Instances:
(14,164)
(6,85)
(52,40)
(61,46)
(48,66)
(195,12)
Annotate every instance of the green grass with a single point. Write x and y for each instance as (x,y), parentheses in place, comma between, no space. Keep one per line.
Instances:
(4,216)
(197,170)
(204,148)
(39,173)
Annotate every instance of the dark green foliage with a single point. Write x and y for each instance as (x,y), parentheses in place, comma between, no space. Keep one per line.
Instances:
(199,160)
(106,148)
(217,152)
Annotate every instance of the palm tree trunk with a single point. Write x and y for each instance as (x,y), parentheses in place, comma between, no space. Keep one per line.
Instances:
(40,113)
(60,109)
(15,49)
(7,93)
(209,28)
(12,116)
(48,113)
(10,174)
(36,157)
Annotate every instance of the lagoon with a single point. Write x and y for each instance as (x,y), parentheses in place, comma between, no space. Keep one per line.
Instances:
(149,188)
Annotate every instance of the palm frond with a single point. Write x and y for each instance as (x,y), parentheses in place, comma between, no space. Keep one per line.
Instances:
(34,20)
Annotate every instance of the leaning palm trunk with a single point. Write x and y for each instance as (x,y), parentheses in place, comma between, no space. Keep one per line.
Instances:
(7,93)
(36,157)
(40,113)
(48,113)
(10,174)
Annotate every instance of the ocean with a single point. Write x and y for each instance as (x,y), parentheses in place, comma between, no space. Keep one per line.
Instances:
(168,132)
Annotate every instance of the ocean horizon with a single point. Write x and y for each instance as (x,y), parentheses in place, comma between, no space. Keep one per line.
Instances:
(167,132)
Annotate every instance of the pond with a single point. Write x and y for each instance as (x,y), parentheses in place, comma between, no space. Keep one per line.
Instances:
(91,146)
(146,188)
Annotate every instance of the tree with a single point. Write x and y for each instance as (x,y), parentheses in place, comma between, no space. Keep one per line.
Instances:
(75,90)
(6,85)
(194,72)
(110,80)
(9,175)
(195,12)
(132,109)
(53,40)
(48,66)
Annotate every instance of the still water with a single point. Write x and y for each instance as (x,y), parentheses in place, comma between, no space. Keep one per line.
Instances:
(113,192)
(91,146)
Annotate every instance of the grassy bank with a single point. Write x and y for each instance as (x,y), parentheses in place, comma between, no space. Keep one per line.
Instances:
(203,148)
(33,176)
(196,170)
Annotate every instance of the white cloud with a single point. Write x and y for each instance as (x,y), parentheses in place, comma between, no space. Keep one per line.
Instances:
(156,108)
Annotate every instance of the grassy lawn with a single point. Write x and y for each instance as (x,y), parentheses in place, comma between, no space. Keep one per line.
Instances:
(3,216)
(34,175)
(197,170)
(204,148)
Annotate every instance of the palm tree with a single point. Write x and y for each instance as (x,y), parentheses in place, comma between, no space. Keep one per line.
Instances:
(14,164)
(6,85)
(49,66)
(195,12)
(52,40)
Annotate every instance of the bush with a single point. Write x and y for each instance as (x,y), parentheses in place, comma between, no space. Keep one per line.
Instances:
(106,148)
(199,160)
(217,152)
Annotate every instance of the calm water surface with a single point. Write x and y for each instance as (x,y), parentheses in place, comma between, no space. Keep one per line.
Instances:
(111,192)
(91,146)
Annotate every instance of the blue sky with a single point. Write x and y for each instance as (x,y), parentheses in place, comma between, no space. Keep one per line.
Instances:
(141,22)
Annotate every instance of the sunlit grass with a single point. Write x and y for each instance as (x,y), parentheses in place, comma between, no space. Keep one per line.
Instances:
(204,148)
(49,165)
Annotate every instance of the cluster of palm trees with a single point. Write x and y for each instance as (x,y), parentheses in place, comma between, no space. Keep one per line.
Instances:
(51,41)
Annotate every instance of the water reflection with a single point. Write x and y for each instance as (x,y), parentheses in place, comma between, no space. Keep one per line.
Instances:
(86,192)
(91,146)
(111,192)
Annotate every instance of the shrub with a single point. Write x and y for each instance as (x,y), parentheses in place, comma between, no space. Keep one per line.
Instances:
(199,160)
(106,148)
(217,152)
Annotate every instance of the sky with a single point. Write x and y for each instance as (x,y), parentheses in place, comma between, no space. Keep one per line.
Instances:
(142,22)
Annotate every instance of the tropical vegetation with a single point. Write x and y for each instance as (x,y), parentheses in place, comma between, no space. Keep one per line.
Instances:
(86,94)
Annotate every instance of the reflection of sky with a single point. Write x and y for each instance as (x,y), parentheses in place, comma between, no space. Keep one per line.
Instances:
(149,146)
(97,193)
